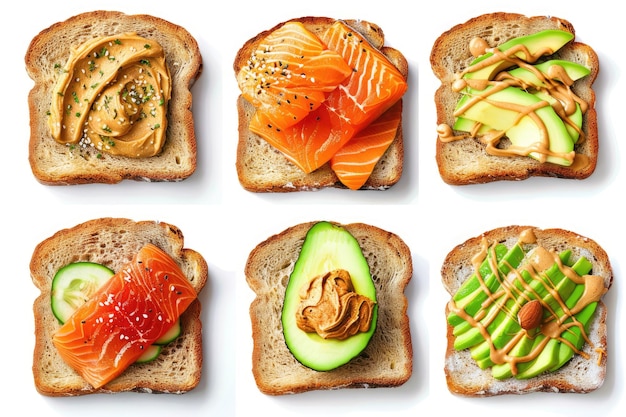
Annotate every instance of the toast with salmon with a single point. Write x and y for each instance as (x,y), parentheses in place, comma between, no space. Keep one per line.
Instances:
(113,243)
(63,163)
(387,359)
(462,155)
(269,167)
(553,276)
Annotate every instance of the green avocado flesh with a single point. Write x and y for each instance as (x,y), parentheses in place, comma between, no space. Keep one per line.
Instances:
(528,86)
(326,247)
(545,42)
(472,297)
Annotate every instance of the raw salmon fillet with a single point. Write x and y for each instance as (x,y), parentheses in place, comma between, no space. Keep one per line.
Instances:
(128,313)
(374,85)
(289,75)
(354,162)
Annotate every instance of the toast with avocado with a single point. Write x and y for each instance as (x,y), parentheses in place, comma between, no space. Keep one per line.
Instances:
(265,158)
(89,123)
(286,268)
(515,100)
(526,313)
(58,269)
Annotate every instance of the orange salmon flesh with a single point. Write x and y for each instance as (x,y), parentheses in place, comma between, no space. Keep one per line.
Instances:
(372,87)
(138,305)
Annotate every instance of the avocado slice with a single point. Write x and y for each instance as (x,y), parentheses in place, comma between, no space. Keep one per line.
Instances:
(471,295)
(326,247)
(560,353)
(574,336)
(505,325)
(573,70)
(545,42)
(527,77)
(523,130)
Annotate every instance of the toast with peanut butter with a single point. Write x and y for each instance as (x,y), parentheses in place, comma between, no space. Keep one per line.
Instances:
(486,130)
(526,313)
(111,243)
(111,100)
(287,359)
(263,166)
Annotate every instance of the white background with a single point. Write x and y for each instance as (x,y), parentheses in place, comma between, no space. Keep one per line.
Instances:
(224,222)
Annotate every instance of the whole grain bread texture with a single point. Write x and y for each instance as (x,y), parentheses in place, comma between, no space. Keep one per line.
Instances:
(262,168)
(113,242)
(579,375)
(56,164)
(387,361)
(465,161)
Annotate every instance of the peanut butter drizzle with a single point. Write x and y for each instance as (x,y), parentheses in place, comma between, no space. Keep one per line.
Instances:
(555,83)
(509,299)
(331,308)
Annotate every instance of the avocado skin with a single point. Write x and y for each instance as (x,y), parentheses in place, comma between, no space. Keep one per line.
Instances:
(326,247)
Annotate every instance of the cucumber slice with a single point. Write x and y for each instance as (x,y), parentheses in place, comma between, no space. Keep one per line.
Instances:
(74,284)
(151,353)
(170,335)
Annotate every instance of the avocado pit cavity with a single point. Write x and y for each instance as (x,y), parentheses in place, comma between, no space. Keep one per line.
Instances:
(331,308)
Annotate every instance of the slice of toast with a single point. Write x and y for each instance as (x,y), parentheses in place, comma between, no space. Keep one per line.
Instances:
(465,161)
(57,164)
(113,242)
(262,168)
(580,374)
(386,361)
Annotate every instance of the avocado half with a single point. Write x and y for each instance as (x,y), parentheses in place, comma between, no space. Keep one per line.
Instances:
(326,247)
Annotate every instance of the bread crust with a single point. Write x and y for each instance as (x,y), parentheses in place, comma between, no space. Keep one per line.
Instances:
(262,168)
(579,375)
(387,361)
(56,164)
(113,242)
(465,162)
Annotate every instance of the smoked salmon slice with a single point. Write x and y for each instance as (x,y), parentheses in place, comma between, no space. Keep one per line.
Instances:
(129,313)
(372,87)
(354,162)
(289,74)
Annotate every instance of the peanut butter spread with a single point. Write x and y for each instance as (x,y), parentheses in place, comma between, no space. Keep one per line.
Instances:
(331,308)
(554,86)
(112,94)
(514,291)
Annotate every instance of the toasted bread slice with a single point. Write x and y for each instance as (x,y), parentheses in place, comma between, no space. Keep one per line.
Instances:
(56,164)
(113,242)
(580,374)
(262,168)
(386,361)
(465,161)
